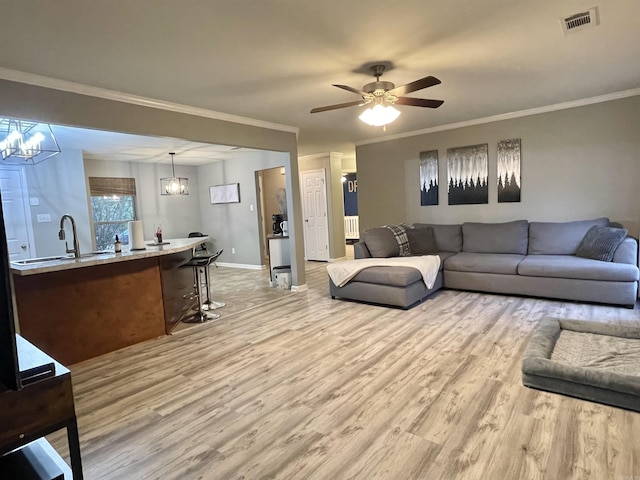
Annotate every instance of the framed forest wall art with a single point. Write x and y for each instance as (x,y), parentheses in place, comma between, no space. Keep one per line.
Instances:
(468,170)
(509,178)
(429,177)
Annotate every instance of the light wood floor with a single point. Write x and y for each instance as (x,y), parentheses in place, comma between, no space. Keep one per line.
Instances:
(308,387)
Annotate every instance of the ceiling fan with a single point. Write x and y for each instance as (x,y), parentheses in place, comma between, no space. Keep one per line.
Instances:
(384,95)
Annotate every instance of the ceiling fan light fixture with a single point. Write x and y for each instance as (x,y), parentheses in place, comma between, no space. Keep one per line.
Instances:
(379,115)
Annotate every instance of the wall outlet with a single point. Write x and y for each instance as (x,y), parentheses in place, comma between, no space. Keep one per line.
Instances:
(43,217)
(233,251)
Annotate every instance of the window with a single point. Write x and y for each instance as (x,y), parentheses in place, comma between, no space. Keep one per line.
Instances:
(113,203)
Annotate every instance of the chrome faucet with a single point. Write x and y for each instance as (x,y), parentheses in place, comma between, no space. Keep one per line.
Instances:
(61,236)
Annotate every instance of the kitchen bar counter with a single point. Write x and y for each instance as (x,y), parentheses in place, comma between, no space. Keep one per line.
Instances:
(175,245)
(77,309)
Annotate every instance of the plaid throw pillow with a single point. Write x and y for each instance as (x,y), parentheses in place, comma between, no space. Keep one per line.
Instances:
(400,234)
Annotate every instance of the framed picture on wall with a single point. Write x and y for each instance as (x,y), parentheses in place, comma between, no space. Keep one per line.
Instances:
(225,193)
(468,170)
(509,178)
(429,177)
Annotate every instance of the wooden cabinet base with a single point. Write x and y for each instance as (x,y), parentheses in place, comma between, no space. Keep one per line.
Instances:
(78,314)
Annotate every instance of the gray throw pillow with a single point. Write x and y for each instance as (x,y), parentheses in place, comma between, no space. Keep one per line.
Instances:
(600,243)
(381,242)
(422,241)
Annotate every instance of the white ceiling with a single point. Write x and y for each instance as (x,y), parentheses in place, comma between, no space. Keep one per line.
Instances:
(275,60)
(122,147)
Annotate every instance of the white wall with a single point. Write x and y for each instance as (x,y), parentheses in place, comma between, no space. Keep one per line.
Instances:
(179,215)
(236,225)
(577,163)
(59,185)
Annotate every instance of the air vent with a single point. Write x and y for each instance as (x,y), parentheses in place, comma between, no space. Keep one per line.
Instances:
(580,21)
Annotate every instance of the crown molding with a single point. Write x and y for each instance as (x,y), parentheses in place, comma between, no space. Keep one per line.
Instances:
(508,116)
(72,87)
(322,155)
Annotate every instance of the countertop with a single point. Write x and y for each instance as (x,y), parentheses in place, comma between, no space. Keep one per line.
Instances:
(175,245)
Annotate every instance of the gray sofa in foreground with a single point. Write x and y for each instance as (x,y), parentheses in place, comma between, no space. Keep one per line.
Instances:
(584,261)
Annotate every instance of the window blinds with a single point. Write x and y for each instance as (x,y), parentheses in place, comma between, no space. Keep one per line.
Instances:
(104,186)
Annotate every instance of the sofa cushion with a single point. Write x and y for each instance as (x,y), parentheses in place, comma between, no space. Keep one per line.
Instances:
(448,237)
(360,250)
(570,266)
(381,242)
(421,241)
(600,243)
(503,263)
(443,257)
(395,276)
(510,237)
(559,238)
(627,252)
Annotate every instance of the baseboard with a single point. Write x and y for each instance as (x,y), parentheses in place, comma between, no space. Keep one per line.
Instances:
(339,259)
(299,288)
(241,265)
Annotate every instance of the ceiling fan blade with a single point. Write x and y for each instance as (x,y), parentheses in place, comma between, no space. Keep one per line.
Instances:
(419,102)
(414,86)
(349,89)
(339,105)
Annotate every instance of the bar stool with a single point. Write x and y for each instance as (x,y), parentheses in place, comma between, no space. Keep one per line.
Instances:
(202,251)
(201,264)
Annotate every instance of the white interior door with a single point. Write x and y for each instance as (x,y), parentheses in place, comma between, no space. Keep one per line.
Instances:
(316,226)
(17,220)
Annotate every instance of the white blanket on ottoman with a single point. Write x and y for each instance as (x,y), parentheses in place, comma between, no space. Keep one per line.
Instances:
(427,265)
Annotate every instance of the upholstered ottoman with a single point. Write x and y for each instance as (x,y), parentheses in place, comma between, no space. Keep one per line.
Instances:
(395,286)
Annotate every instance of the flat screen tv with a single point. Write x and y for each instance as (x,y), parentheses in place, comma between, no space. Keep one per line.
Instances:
(9,368)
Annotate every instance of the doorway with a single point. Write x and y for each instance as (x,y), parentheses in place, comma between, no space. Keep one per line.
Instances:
(272,201)
(17,214)
(314,210)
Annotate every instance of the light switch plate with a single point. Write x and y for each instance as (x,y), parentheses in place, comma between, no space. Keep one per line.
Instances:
(34,201)
(43,217)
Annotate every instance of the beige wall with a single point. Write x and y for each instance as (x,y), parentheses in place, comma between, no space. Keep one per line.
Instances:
(349,164)
(272,181)
(336,205)
(577,163)
(65,108)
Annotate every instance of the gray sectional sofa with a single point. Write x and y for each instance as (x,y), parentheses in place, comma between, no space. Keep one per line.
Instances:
(588,260)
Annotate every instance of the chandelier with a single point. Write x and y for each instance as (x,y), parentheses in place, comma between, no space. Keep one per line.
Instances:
(174,185)
(25,142)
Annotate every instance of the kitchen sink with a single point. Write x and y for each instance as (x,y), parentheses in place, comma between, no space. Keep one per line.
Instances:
(37,260)
(31,261)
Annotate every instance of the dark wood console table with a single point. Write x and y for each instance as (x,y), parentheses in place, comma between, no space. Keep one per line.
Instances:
(40,408)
